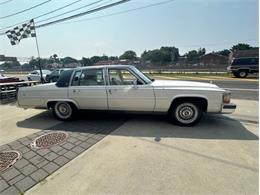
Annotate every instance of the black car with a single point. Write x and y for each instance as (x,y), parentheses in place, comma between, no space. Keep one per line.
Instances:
(54,76)
(241,67)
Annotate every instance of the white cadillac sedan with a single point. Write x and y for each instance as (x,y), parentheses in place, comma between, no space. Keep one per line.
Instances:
(125,88)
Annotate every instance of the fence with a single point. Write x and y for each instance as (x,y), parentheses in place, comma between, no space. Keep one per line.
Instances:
(8,91)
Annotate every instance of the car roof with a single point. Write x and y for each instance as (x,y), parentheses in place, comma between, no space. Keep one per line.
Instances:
(105,66)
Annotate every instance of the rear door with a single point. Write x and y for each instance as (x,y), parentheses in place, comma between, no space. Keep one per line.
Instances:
(88,89)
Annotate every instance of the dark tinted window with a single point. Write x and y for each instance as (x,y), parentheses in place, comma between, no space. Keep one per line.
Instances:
(245,61)
(64,78)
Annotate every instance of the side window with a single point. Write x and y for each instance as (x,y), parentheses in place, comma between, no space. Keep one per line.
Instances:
(89,77)
(64,79)
(122,77)
(75,80)
(253,61)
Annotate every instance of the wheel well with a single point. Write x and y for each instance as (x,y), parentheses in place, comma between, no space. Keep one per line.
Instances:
(52,103)
(203,102)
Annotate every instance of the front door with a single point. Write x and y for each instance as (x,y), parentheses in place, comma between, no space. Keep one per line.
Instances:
(127,92)
(88,89)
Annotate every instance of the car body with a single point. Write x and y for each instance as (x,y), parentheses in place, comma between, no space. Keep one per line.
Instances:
(125,88)
(54,75)
(241,67)
(6,79)
(36,75)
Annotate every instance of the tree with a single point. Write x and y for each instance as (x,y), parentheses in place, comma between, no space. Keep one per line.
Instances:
(86,62)
(170,54)
(34,63)
(95,59)
(104,58)
(113,58)
(241,46)
(224,52)
(193,55)
(201,51)
(55,56)
(128,55)
(164,55)
(10,65)
(68,60)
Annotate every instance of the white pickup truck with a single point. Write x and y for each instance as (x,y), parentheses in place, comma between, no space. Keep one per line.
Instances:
(125,88)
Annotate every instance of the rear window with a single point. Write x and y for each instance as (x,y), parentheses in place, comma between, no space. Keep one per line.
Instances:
(64,79)
(245,61)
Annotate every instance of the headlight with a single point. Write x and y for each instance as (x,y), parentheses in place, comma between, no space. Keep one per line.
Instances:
(226,97)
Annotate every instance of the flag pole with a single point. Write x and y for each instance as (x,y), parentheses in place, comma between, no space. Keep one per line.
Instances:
(39,58)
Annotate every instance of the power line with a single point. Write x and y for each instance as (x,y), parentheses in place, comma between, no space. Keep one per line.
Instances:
(122,12)
(82,14)
(216,44)
(25,9)
(67,12)
(55,10)
(5,2)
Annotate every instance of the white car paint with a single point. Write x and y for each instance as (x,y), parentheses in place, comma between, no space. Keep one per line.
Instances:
(156,96)
(36,75)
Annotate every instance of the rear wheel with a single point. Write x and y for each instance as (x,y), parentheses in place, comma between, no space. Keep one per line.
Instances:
(63,110)
(186,113)
(242,73)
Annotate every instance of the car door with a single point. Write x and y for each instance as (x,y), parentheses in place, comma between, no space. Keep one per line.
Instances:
(88,89)
(127,92)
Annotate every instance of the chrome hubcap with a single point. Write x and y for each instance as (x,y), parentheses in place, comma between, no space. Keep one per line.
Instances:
(63,110)
(186,113)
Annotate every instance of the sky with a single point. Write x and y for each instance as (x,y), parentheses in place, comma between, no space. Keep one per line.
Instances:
(185,24)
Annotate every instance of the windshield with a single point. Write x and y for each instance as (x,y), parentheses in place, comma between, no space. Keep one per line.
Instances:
(143,77)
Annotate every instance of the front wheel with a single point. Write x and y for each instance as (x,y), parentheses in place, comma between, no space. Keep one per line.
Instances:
(63,111)
(186,113)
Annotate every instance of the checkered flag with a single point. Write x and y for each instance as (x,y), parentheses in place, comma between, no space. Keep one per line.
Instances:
(21,32)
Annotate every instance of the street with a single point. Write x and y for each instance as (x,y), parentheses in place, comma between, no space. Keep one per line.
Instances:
(247,89)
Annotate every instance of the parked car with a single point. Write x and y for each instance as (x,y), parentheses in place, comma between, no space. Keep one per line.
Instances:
(125,88)
(36,75)
(6,79)
(241,67)
(54,75)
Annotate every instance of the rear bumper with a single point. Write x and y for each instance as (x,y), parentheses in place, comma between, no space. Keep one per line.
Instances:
(228,108)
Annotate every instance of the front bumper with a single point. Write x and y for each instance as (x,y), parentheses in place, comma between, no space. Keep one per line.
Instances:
(228,108)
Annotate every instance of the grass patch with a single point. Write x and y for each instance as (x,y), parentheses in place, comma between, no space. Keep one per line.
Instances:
(228,75)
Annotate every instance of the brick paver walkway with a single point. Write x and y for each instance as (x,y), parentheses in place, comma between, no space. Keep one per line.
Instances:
(36,164)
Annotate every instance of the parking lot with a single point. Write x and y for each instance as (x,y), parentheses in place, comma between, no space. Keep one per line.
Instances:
(134,154)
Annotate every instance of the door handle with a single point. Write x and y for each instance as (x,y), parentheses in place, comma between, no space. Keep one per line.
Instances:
(75,91)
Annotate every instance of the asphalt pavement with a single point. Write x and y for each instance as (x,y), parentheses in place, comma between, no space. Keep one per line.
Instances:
(245,89)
